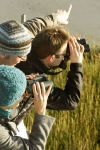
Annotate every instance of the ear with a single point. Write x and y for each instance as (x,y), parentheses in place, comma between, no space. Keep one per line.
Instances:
(51,58)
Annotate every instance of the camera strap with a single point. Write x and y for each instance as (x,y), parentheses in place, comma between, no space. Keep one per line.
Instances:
(54,73)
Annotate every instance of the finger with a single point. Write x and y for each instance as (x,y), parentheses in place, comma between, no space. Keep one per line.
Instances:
(58,11)
(70,47)
(48,90)
(69,10)
(31,76)
(37,74)
(78,38)
(34,90)
(73,41)
(43,89)
(34,74)
(70,7)
(81,48)
(77,44)
(28,77)
(38,88)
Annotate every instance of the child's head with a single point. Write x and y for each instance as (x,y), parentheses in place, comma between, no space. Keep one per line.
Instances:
(12,85)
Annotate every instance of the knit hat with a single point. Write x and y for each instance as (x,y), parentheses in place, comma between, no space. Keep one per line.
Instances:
(12,84)
(14,39)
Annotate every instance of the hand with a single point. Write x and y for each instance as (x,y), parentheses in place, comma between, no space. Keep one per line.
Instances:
(40,97)
(76,51)
(63,15)
(31,76)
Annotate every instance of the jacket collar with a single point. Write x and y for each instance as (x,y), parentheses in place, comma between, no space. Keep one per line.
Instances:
(41,66)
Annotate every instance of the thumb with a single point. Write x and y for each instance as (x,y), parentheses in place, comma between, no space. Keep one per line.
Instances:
(48,91)
(65,22)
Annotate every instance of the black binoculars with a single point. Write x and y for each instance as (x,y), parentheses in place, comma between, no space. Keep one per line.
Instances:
(86,46)
(41,78)
(63,64)
(83,42)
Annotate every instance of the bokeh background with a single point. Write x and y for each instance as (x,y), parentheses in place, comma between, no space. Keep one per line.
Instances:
(84,20)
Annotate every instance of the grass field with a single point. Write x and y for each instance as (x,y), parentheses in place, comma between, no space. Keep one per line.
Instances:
(78,129)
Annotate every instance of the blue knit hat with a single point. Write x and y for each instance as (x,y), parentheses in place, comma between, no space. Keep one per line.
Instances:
(12,84)
(14,39)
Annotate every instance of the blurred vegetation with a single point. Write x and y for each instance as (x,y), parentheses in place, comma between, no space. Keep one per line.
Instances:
(78,129)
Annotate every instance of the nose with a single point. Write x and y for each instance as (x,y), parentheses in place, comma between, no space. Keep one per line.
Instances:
(24,58)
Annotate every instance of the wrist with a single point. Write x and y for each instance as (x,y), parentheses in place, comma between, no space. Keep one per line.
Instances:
(42,112)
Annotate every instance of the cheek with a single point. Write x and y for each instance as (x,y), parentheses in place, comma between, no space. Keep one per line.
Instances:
(57,62)
(60,59)
(16,61)
(13,62)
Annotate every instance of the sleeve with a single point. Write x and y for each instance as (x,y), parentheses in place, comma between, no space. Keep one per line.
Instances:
(68,98)
(37,24)
(37,138)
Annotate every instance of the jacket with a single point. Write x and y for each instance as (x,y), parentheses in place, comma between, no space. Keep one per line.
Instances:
(37,24)
(37,138)
(58,99)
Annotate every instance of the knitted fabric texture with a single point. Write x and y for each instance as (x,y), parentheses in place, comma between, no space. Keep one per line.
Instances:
(12,85)
(14,39)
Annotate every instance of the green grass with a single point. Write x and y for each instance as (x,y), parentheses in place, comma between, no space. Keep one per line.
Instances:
(78,129)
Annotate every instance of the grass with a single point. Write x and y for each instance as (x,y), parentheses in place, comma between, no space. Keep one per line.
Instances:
(78,129)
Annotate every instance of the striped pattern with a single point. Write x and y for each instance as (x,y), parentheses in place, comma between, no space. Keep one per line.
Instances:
(14,39)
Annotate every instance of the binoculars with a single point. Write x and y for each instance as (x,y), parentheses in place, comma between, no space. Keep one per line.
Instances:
(67,56)
(81,41)
(41,78)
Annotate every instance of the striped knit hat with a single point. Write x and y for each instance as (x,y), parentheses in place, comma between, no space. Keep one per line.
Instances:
(14,39)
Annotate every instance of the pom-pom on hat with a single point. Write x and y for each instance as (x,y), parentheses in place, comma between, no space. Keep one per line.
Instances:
(12,85)
(14,39)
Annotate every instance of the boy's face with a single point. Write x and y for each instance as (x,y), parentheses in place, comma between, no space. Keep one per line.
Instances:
(57,58)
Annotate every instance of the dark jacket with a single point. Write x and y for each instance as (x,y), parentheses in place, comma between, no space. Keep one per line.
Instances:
(59,99)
